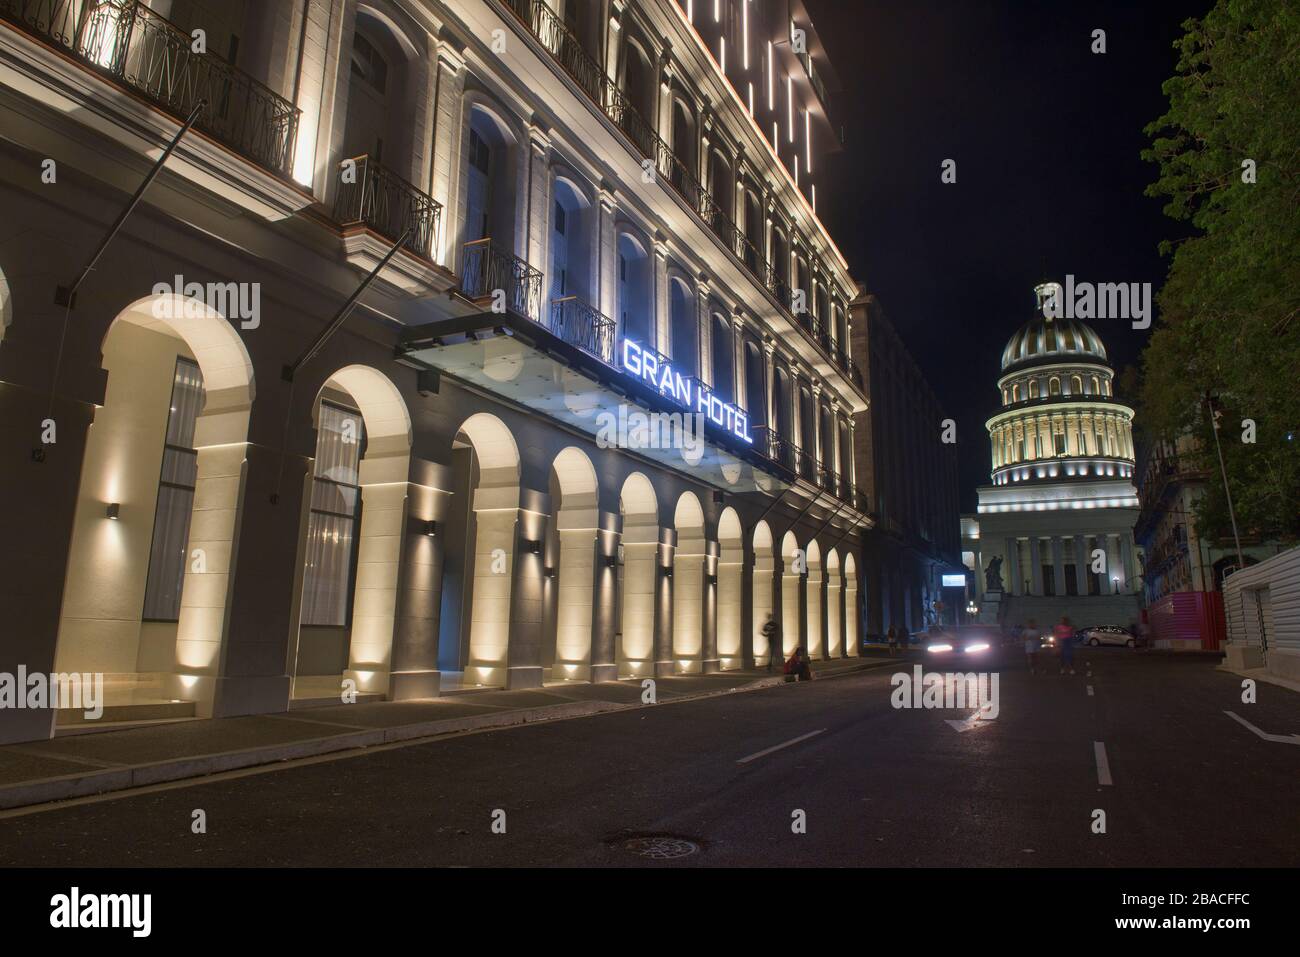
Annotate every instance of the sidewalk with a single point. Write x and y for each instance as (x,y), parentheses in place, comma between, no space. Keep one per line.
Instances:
(76,765)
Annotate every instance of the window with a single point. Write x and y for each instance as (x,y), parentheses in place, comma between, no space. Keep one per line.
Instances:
(368,63)
(332,523)
(1054,387)
(1033,389)
(171,521)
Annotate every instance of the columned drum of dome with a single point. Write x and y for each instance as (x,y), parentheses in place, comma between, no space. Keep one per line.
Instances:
(1054,532)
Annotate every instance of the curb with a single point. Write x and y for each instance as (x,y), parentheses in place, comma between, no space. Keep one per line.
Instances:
(66,787)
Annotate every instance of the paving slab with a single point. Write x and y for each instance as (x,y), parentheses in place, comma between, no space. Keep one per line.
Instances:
(17,766)
(390,714)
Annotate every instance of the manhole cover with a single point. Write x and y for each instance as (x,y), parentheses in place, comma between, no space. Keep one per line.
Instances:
(661,848)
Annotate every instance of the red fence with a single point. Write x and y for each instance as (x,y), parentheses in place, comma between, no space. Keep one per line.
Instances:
(1189,616)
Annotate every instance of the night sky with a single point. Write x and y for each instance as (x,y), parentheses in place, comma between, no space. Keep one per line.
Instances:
(1046,136)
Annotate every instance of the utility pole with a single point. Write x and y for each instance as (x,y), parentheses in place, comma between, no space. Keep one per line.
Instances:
(1232,515)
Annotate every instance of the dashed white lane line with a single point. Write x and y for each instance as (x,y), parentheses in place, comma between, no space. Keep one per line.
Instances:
(1103,766)
(1090,691)
(778,747)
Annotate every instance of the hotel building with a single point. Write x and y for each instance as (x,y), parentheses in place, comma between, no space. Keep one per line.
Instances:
(370,388)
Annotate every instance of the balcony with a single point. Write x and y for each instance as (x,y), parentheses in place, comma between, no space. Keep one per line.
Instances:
(382,201)
(488,272)
(134,47)
(584,326)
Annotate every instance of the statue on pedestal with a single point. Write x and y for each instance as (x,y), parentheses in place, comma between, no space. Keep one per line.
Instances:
(993,574)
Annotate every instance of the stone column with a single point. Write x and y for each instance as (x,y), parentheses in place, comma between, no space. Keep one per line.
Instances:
(1036,563)
(703,330)
(1082,563)
(604,605)
(709,608)
(664,664)
(1013,581)
(415,672)
(661,334)
(537,234)
(1058,566)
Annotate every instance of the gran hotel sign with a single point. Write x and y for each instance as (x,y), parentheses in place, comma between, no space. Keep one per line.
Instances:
(656,370)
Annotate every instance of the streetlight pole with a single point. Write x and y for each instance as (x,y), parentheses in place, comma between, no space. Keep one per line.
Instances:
(1232,515)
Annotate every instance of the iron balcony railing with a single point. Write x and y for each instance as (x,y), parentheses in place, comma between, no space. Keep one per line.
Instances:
(584,326)
(135,47)
(372,194)
(773,446)
(487,270)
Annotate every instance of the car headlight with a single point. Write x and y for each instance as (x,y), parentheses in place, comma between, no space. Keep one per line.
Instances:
(978,646)
(939,647)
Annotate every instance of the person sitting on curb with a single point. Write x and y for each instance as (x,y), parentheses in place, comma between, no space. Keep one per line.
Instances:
(797,668)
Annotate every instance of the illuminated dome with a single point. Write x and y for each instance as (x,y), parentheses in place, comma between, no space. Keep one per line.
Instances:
(1052,340)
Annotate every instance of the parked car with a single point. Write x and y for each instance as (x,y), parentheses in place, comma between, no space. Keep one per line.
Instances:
(1106,635)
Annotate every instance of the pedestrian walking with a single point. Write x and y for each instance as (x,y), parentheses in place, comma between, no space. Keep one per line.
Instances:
(1030,635)
(893,642)
(1064,632)
(772,634)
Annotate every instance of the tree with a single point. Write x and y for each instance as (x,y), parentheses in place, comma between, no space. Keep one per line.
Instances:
(1228,152)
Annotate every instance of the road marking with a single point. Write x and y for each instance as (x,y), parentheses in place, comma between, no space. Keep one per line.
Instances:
(1089,691)
(1103,766)
(778,747)
(1283,738)
(974,721)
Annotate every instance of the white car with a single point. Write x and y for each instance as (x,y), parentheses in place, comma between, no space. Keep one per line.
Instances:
(1106,635)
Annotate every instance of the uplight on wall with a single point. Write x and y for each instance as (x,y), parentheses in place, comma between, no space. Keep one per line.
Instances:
(114,510)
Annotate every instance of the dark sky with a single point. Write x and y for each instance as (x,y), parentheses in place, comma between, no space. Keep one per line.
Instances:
(1046,136)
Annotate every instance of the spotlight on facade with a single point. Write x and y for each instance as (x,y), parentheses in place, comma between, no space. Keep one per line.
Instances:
(431,528)
(114,510)
(532,546)
(549,571)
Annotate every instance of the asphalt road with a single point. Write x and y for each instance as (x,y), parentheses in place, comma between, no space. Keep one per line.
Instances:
(878,786)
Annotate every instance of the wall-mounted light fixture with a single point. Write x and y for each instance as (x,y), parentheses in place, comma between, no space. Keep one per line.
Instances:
(712,579)
(114,510)
(532,546)
(611,561)
(431,528)
(668,571)
(549,571)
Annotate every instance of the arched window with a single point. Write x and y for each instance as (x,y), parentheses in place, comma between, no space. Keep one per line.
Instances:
(683,328)
(1006,396)
(1076,385)
(686,170)
(1015,392)
(570,242)
(1054,386)
(1106,386)
(1033,388)
(753,231)
(634,289)
(1096,386)
(490,192)
(368,94)
(639,88)
(755,385)
(723,361)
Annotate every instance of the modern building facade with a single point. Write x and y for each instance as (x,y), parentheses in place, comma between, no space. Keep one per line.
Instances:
(907,468)
(1056,523)
(478,343)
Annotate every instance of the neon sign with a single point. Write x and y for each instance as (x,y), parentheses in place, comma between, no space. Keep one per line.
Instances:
(657,370)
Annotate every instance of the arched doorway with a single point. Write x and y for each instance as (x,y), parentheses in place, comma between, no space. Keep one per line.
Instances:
(792,567)
(763,571)
(635,647)
(683,325)
(723,354)
(688,585)
(351,547)
(834,596)
(570,252)
(567,655)
(491,157)
(147,586)
(852,614)
(816,633)
(479,555)
(730,568)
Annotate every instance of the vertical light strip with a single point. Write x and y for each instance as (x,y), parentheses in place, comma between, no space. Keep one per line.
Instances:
(814,198)
(789,107)
(807,139)
(690,10)
(722,54)
(744,20)
(717,11)
(751,99)
(771,79)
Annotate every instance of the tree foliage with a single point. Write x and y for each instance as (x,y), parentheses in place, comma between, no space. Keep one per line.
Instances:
(1228,310)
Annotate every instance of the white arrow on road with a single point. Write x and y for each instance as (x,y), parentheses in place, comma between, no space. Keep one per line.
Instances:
(966,724)
(1283,738)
